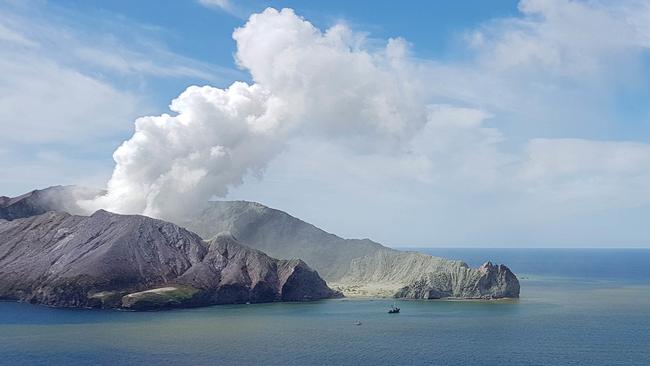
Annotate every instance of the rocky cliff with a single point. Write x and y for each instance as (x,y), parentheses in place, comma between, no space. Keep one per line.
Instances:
(356,267)
(488,282)
(131,261)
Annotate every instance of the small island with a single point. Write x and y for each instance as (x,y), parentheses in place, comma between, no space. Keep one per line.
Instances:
(52,257)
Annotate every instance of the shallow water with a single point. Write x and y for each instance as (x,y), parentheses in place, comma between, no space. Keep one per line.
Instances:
(561,319)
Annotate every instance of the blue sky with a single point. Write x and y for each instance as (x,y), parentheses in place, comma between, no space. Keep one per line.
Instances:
(188,28)
(500,123)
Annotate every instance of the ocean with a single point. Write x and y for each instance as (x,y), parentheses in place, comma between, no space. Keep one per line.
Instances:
(577,307)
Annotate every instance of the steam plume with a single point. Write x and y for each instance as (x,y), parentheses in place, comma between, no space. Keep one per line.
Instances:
(307,82)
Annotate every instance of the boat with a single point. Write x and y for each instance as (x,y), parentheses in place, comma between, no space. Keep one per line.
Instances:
(357,323)
(393,310)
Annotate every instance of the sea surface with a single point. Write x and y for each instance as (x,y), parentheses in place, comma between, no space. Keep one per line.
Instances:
(577,307)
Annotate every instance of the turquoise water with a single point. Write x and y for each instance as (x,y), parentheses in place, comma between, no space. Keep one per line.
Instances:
(599,315)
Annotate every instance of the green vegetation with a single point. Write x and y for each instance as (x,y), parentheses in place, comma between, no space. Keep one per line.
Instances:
(158,298)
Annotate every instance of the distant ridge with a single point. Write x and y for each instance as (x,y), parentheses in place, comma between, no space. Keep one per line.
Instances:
(39,201)
(358,267)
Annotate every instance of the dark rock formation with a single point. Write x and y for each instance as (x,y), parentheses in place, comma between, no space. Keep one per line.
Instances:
(248,275)
(131,261)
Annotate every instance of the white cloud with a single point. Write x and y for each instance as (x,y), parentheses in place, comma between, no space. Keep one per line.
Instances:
(556,69)
(224,4)
(48,103)
(7,35)
(375,126)
(370,106)
(229,6)
(588,174)
(54,40)
(572,39)
(72,93)
(563,158)
(130,62)
(337,85)
(468,151)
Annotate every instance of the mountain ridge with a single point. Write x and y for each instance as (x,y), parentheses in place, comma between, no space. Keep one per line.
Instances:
(356,267)
(136,262)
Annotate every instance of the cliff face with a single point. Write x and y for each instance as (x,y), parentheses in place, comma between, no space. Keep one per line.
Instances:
(420,276)
(130,261)
(356,267)
(487,282)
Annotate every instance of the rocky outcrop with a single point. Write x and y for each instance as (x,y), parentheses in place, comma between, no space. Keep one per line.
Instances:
(420,276)
(356,267)
(135,262)
(242,274)
(487,282)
